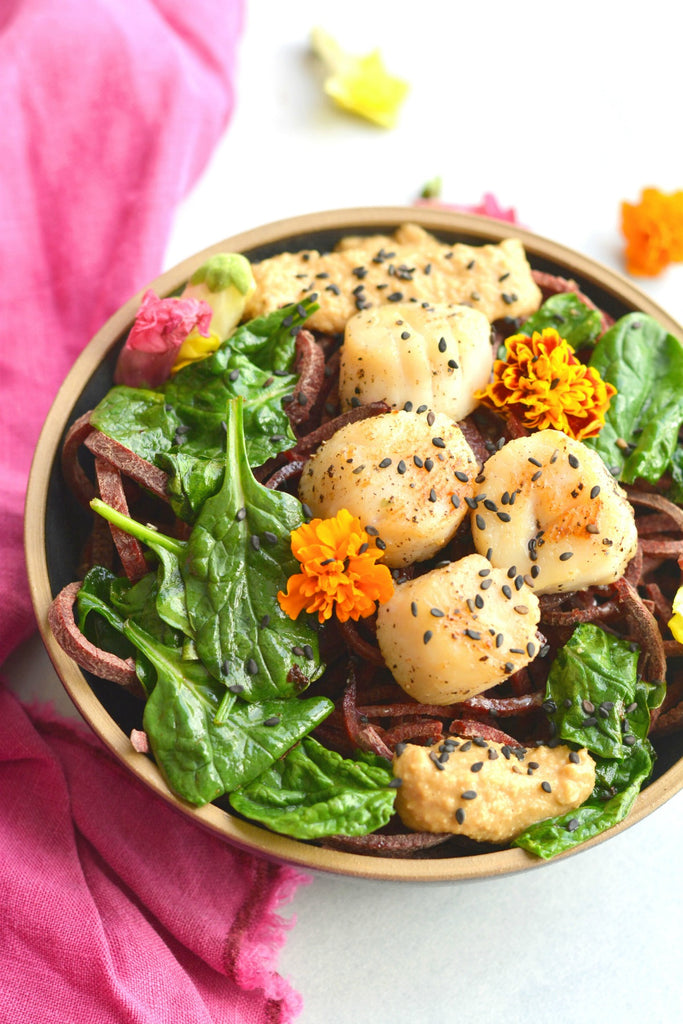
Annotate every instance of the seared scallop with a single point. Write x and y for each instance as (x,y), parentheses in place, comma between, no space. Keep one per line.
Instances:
(457,630)
(549,506)
(405,475)
(436,356)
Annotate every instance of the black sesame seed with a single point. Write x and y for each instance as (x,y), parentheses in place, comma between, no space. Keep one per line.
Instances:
(251,667)
(480,521)
(573,461)
(460,816)
(546,787)
(574,757)
(595,491)
(429,465)
(384,463)
(455,501)
(436,612)
(530,649)
(427,636)
(438,442)
(473,634)
(462,477)
(255,542)
(504,517)
(572,825)
(241,514)
(469,794)
(432,495)
(273,720)
(566,555)
(401,467)
(476,766)
(485,584)
(452,365)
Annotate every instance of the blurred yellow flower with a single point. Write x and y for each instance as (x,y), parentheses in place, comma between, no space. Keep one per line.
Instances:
(653,229)
(360,84)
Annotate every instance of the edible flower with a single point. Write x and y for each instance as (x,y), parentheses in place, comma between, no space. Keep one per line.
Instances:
(360,84)
(155,338)
(545,385)
(489,206)
(653,229)
(339,574)
(676,622)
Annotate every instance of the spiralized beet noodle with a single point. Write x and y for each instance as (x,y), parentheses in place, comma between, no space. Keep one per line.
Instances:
(371,711)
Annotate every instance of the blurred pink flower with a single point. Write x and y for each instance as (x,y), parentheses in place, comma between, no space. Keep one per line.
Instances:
(488,207)
(160,328)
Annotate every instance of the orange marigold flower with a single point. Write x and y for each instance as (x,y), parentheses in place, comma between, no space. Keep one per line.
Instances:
(339,573)
(653,229)
(545,385)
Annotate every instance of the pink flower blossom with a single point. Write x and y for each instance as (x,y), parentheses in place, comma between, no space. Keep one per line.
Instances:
(160,328)
(488,207)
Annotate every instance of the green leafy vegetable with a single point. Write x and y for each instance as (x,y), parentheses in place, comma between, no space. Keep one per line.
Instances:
(645,364)
(602,705)
(180,427)
(238,558)
(169,597)
(203,758)
(600,812)
(574,321)
(315,792)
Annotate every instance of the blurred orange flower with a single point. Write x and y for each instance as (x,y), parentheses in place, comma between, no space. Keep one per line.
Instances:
(339,574)
(546,386)
(653,229)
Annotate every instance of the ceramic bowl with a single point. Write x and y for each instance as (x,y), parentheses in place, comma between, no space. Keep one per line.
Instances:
(55,527)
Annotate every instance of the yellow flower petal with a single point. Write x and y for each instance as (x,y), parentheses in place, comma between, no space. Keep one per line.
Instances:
(361,85)
(676,622)
(195,347)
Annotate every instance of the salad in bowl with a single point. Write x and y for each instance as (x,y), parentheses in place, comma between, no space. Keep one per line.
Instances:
(377,544)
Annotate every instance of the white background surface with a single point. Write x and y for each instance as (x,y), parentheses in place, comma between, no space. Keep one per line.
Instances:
(561,112)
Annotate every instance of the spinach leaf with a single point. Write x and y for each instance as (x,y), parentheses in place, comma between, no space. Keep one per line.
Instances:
(602,705)
(139,601)
(574,321)
(103,624)
(591,681)
(315,792)
(645,364)
(203,758)
(179,427)
(238,557)
(170,601)
(96,618)
(617,786)
(138,418)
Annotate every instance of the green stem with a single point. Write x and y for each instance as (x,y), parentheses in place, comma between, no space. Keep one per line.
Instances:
(149,536)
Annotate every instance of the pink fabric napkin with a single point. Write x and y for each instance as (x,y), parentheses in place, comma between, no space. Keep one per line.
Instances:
(113,906)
